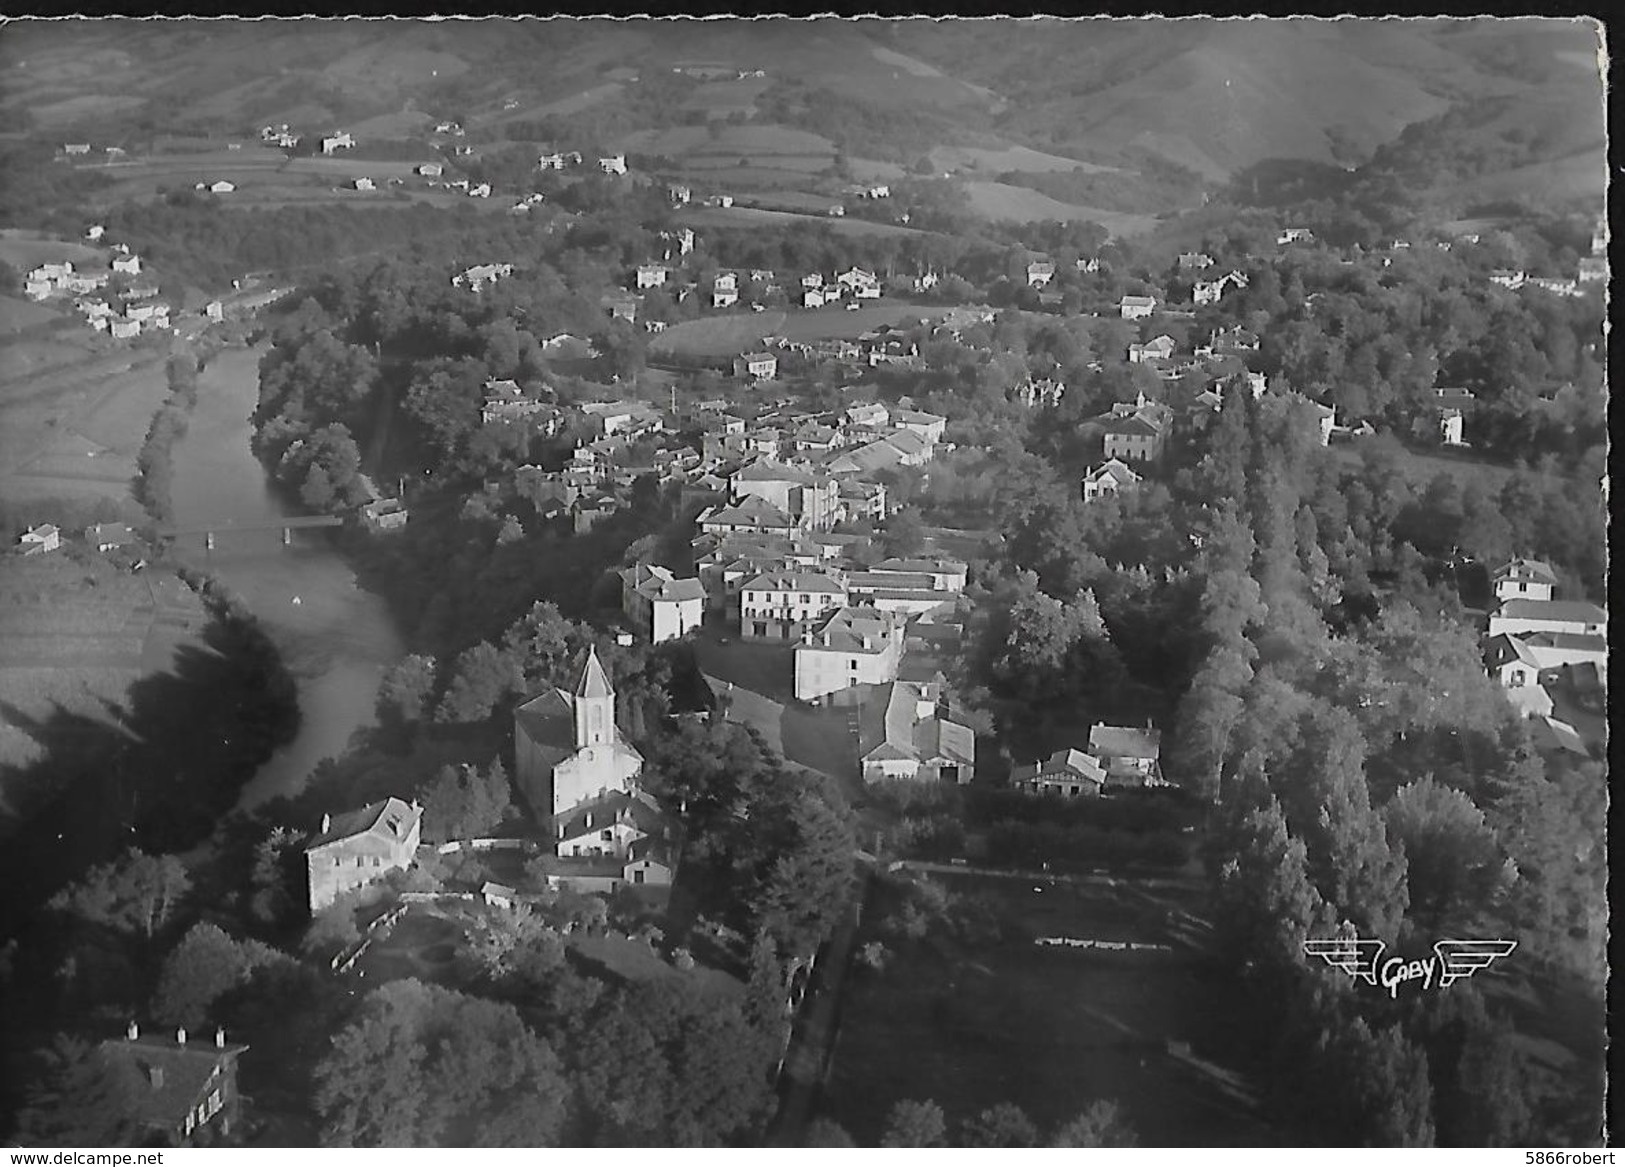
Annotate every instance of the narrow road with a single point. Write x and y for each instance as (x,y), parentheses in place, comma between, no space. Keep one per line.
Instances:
(806,1062)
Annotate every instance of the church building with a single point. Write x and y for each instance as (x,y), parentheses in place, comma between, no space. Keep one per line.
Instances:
(580,776)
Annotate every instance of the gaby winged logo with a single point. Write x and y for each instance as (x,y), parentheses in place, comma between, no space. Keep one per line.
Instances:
(1452,960)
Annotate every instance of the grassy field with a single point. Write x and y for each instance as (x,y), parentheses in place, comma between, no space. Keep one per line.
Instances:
(997,200)
(28,249)
(728,141)
(1050,1029)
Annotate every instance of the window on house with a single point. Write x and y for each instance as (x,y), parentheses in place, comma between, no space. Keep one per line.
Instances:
(1073,791)
(607,836)
(358,860)
(637,876)
(852,664)
(1516,679)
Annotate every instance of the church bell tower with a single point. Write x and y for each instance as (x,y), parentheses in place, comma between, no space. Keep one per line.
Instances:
(594,705)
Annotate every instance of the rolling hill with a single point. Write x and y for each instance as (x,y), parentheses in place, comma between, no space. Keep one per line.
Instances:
(1212,96)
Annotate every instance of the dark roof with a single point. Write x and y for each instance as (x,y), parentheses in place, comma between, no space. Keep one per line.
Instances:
(549,722)
(1120,741)
(1576,611)
(174,1075)
(390,819)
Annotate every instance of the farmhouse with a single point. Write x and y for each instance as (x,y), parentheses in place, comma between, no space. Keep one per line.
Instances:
(658,604)
(129,265)
(383,514)
(40,539)
(1195,261)
(479,275)
(431,170)
(928,426)
(904,732)
(1159,349)
(1071,773)
(1135,432)
(621,307)
(123,328)
(1039,273)
(180,1087)
(613,164)
(339,140)
(651,275)
(1516,670)
(1295,235)
(725,290)
(357,848)
(1137,307)
(1555,650)
(852,646)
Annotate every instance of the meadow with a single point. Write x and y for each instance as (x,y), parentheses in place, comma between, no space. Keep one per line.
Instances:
(1049,1028)
(998,200)
(730,335)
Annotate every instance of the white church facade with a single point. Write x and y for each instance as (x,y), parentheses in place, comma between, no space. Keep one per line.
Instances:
(581,777)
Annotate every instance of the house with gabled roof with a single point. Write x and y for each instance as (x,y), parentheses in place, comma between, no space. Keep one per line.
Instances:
(180,1088)
(850,647)
(810,499)
(658,604)
(1517,671)
(1136,307)
(750,515)
(1069,773)
(1130,755)
(356,848)
(904,732)
(1571,616)
(1524,579)
(1109,477)
(781,605)
(1039,273)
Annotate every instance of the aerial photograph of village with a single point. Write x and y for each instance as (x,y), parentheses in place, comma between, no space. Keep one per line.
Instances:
(890,583)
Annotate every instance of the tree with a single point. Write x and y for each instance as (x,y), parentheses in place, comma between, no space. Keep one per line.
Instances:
(1101,1125)
(481,677)
(514,946)
(764,991)
(202,968)
(915,1124)
(1454,863)
(826,1132)
(137,893)
(405,691)
(801,870)
(426,1066)
(1004,1125)
(78,1097)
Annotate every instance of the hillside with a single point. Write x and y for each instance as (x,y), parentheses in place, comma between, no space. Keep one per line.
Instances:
(984,99)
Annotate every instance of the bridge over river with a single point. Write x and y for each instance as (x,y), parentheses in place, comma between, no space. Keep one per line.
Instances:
(286,525)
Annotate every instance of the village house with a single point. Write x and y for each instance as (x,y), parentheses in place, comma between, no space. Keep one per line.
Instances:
(1509,278)
(129,265)
(1194,261)
(904,733)
(863,500)
(365,184)
(679,194)
(1135,432)
(945,575)
(383,514)
(906,593)
(781,605)
(1523,579)
(479,275)
(623,417)
(1450,427)
(725,290)
(758,366)
(1571,616)
(108,536)
(39,539)
(852,646)
(620,307)
(122,328)
(1592,269)
(431,170)
(658,604)
(1070,773)
(505,402)
(1031,393)
(1159,349)
(613,164)
(337,141)
(357,848)
(751,515)
(928,426)
(1130,756)
(181,1088)
(651,275)
(1517,671)
(1295,235)
(810,499)
(1109,477)
(1137,307)
(1039,273)
(222,187)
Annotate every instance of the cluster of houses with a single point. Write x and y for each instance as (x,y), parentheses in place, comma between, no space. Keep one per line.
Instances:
(43,538)
(607,164)
(1536,643)
(1117,756)
(122,315)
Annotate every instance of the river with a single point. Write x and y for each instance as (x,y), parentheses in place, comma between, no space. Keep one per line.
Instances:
(335,638)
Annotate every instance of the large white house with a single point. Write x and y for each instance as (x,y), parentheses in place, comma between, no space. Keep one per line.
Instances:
(658,604)
(853,646)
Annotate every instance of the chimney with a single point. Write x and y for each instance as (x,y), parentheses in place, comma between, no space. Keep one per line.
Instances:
(155,1075)
(133,1032)
(180,1037)
(220,1037)
(327,823)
